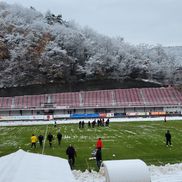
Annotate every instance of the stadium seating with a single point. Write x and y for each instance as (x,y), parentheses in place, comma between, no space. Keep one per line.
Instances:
(159,96)
(5,102)
(128,97)
(33,101)
(71,99)
(101,98)
(135,97)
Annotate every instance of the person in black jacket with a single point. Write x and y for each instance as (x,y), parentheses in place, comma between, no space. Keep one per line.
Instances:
(80,124)
(83,124)
(40,138)
(89,124)
(168,138)
(98,157)
(59,137)
(70,151)
(50,138)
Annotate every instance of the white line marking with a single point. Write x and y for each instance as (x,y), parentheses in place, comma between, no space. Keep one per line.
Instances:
(44,139)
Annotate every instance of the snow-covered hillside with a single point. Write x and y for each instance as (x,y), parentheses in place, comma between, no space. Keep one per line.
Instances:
(176,51)
(40,49)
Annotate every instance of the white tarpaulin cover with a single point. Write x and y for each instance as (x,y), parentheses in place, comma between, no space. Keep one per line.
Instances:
(126,171)
(23,166)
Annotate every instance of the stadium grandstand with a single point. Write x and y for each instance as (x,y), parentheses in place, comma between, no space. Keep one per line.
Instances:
(101,103)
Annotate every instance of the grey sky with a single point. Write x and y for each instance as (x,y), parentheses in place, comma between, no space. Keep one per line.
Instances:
(137,21)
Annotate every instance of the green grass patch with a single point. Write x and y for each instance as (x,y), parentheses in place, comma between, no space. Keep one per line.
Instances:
(130,140)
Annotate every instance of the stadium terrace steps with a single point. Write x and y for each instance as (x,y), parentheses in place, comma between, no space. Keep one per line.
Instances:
(134,97)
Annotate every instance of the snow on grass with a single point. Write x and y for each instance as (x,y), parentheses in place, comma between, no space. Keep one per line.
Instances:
(166,173)
(130,132)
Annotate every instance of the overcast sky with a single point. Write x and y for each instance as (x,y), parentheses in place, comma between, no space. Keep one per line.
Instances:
(137,21)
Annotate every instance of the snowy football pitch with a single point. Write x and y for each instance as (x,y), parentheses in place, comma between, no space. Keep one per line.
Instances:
(126,140)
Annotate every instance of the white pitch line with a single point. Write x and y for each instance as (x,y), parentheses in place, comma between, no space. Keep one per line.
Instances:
(44,139)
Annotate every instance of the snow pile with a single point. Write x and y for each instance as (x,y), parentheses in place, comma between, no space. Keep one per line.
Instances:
(167,173)
(87,176)
(23,166)
(121,170)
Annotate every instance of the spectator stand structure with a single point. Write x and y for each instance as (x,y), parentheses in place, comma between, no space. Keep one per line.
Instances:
(101,103)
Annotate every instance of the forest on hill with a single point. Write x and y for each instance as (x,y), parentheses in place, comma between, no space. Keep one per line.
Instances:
(38,50)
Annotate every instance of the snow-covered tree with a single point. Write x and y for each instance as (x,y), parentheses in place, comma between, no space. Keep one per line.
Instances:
(38,49)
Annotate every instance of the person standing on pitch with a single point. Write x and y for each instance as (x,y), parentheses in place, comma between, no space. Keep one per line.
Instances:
(40,138)
(50,138)
(80,124)
(59,137)
(55,123)
(99,144)
(33,141)
(168,138)
(70,151)
(98,157)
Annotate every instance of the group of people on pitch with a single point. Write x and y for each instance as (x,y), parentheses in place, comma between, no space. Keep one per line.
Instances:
(98,151)
(40,139)
(99,122)
(70,151)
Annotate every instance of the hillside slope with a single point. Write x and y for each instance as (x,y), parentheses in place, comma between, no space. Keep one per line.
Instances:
(37,49)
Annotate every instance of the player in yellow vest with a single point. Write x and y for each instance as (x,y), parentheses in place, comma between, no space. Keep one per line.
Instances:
(33,141)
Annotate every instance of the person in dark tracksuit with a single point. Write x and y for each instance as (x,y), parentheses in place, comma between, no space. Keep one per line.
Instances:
(50,139)
(168,138)
(80,124)
(40,138)
(70,151)
(98,157)
(59,137)
(55,123)
(83,124)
